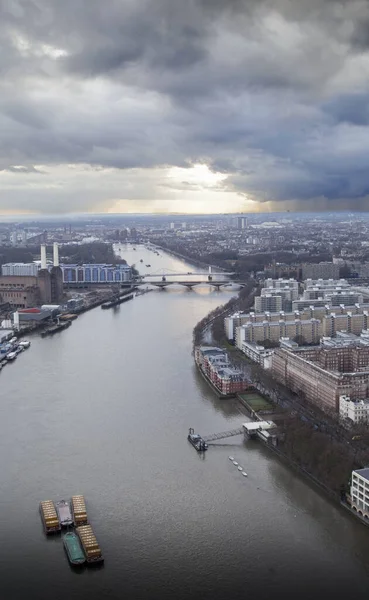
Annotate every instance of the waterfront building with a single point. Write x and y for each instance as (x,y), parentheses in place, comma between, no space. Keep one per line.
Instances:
(91,273)
(355,410)
(359,491)
(28,285)
(215,364)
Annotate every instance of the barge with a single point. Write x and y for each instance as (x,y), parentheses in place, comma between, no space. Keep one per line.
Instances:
(73,549)
(89,543)
(55,328)
(117,301)
(79,511)
(196,440)
(49,517)
(64,513)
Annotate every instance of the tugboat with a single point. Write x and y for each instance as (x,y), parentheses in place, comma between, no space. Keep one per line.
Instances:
(73,548)
(197,441)
(64,513)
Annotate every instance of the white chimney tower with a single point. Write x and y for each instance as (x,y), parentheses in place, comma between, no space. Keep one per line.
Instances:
(56,254)
(43,257)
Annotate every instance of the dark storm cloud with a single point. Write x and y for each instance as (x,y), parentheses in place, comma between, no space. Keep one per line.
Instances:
(272,92)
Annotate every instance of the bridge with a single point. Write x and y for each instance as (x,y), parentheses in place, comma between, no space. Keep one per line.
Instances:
(176,279)
(250,429)
(189,284)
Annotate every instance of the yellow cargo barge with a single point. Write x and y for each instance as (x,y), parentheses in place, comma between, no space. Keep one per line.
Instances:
(79,511)
(89,544)
(49,517)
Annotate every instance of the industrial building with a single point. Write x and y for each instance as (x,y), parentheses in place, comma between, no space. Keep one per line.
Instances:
(22,289)
(20,270)
(90,273)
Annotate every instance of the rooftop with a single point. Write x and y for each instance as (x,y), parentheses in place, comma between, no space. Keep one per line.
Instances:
(363,472)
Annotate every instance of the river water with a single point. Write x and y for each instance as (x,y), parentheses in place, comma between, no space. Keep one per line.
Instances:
(103,409)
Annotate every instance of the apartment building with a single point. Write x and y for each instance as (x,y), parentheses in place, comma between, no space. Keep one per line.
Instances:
(324,374)
(323,270)
(269,302)
(310,330)
(355,410)
(359,491)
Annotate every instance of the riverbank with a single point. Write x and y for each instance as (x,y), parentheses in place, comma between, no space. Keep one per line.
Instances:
(326,463)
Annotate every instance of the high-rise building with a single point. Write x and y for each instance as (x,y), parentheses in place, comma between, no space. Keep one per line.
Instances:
(241,222)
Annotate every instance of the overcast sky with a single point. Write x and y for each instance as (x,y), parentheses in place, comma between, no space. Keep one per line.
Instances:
(184,106)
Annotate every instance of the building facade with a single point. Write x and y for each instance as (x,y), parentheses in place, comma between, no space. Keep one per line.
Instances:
(324,374)
(322,270)
(91,273)
(355,410)
(19,270)
(359,491)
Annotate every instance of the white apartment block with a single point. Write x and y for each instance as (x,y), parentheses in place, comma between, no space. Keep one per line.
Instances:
(310,330)
(268,302)
(258,354)
(359,491)
(355,410)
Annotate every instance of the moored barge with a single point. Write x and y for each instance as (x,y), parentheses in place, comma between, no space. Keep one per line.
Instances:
(64,513)
(73,548)
(196,440)
(49,517)
(117,301)
(89,544)
(79,511)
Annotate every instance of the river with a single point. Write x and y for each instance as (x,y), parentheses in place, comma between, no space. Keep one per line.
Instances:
(103,409)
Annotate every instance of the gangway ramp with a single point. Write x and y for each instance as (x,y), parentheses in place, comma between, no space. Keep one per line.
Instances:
(224,434)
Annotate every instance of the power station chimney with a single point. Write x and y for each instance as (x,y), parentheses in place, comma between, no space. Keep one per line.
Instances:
(43,257)
(56,254)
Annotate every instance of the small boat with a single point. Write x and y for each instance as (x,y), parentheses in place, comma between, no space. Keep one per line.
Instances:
(235,463)
(239,468)
(73,548)
(197,441)
(230,458)
(25,343)
(64,513)
(244,474)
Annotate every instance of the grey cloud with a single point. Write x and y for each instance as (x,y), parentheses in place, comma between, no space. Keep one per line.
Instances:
(254,88)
